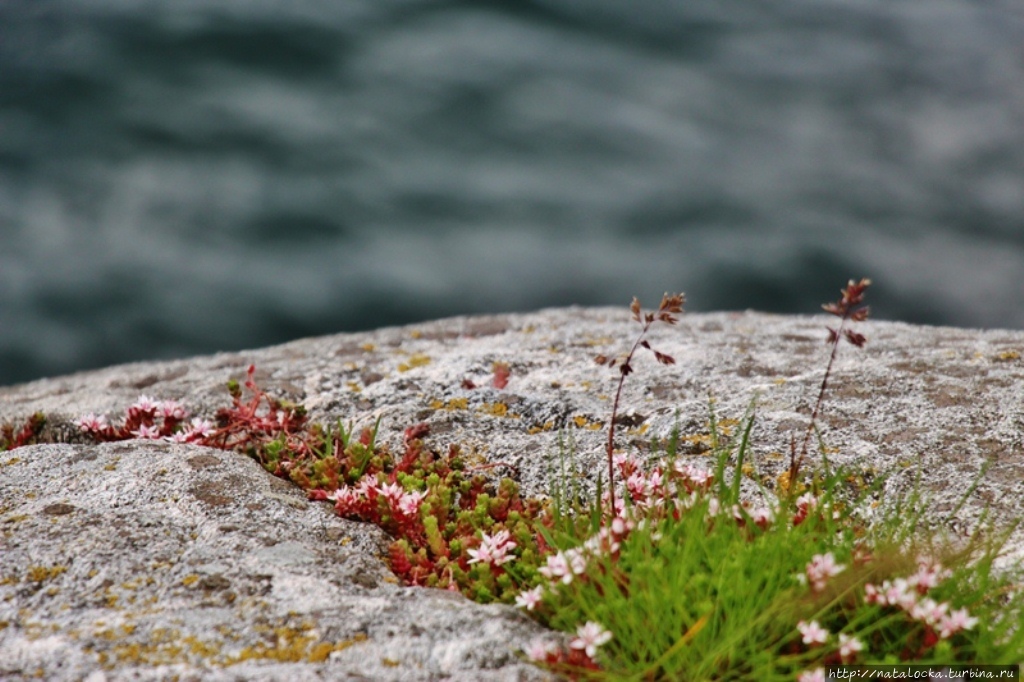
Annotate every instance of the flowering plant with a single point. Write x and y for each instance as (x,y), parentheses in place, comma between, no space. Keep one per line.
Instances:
(678,576)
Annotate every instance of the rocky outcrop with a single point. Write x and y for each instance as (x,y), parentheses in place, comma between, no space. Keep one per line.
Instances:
(142,559)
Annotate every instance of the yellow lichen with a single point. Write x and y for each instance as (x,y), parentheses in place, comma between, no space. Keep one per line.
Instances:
(38,574)
(190,580)
(294,646)
(494,409)
(547,426)
(451,404)
(415,360)
(368,347)
(582,422)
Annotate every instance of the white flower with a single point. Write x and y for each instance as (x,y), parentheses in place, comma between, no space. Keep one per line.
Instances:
(928,611)
(821,568)
(92,423)
(807,500)
(577,560)
(590,636)
(812,632)
(172,409)
(714,506)
(538,650)
(849,646)
(409,503)
(530,598)
(201,428)
(762,516)
(144,405)
(557,568)
(493,549)
(392,491)
(146,432)
(956,621)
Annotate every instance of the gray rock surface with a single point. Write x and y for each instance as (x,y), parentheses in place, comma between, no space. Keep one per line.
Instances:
(142,560)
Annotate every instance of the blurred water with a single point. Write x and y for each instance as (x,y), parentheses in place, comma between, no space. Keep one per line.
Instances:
(182,176)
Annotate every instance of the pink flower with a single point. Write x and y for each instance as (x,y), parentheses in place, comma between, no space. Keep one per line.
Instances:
(762,517)
(530,598)
(392,491)
(626,464)
(873,596)
(812,632)
(345,499)
(656,481)
(409,503)
(172,409)
(637,484)
(693,477)
(816,675)
(807,501)
(955,622)
(200,429)
(899,593)
(146,432)
(821,568)
(144,405)
(590,636)
(603,541)
(493,549)
(539,650)
(91,423)
(848,647)
(928,611)
(714,506)
(928,575)
(367,487)
(557,568)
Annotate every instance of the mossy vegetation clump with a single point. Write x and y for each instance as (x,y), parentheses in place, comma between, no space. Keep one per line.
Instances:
(674,570)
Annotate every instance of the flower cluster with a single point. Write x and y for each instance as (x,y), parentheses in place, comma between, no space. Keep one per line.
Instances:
(452,529)
(362,500)
(820,569)
(493,550)
(665,485)
(148,419)
(910,595)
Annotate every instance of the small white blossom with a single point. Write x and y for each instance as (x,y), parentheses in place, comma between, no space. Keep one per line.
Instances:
(590,636)
(529,599)
(812,632)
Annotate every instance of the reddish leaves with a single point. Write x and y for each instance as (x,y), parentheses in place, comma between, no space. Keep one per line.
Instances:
(501,374)
(846,308)
(26,435)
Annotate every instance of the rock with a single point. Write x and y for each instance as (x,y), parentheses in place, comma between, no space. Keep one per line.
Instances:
(150,559)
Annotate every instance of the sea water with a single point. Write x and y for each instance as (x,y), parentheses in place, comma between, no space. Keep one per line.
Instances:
(185,176)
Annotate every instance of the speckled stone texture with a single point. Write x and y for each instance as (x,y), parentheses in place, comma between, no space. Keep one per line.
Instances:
(141,560)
